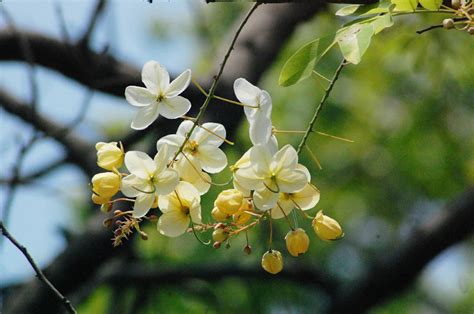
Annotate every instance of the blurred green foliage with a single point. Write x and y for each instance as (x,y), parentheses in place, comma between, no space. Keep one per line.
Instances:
(408,107)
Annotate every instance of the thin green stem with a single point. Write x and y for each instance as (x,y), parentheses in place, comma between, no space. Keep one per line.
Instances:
(213,88)
(320,106)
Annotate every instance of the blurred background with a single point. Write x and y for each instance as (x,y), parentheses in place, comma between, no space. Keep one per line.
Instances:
(408,107)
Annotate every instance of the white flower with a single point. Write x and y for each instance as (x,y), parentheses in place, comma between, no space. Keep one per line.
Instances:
(147,179)
(271,174)
(159,96)
(201,149)
(259,117)
(179,208)
(244,162)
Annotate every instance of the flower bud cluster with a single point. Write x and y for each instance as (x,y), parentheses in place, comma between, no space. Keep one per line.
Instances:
(269,183)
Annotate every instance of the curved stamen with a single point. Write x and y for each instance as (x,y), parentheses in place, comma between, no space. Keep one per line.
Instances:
(146,192)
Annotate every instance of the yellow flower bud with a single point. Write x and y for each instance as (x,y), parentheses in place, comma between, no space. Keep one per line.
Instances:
(229,201)
(220,235)
(272,262)
(241,217)
(297,242)
(105,185)
(155,202)
(327,228)
(96,199)
(218,215)
(109,155)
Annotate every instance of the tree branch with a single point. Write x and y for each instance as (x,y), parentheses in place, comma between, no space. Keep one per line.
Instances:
(67,304)
(77,148)
(394,273)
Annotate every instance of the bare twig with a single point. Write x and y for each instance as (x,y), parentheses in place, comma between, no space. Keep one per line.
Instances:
(99,8)
(39,273)
(327,92)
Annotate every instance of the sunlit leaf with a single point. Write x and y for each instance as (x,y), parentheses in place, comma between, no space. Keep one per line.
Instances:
(347,10)
(382,22)
(354,41)
(301,64)
(431,4)
(405,5)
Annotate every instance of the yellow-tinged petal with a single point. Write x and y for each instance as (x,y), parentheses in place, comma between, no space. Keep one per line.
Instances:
(307,198)
(106,184)
(229,201)
(272,262)
(326,227)
(109,155)
(297,242)
(283,207)
(173,223)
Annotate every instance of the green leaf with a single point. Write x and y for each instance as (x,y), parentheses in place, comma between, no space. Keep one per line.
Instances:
(347,10)
(405,5)
(301,64)
(383,6)
(354,41)
(431,4)
(382,22)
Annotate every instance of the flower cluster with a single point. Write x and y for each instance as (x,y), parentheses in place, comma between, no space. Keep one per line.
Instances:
(268,182)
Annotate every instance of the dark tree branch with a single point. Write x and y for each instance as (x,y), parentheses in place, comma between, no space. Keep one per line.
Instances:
(67,304)
(77,149)
(394,273)
(99,8)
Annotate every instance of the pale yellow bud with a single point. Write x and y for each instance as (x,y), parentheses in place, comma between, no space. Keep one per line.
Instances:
(155,202)
(218,215)
(229,201)
(105,185)
(109,155)
(272,262)
(327,228)
(297,242)
(220,235)
(241,217)
(96,199)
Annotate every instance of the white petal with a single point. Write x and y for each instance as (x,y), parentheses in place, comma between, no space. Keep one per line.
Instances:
(238,186)
(245,92)
(173,223)
(204,137)
(290,181)
(190,165)
(282,208)
(273,145)
(169,203)
(166,181)
(172,108)
(247,178)
(139,96)
(264,107)
(161,159)
(184,128)
(261,158)
(264,199)
(188,192)
(145,116)
(179,84)
(139,164)
(131,185)
(285,158)
(305,170)
(173,141)
(143,204)
(260,130)
(212,159)
(201,181)
(195,212)
(307,198)
(155,77)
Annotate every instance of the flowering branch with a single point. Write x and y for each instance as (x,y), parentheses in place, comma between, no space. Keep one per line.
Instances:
(327,92)
(39,273)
